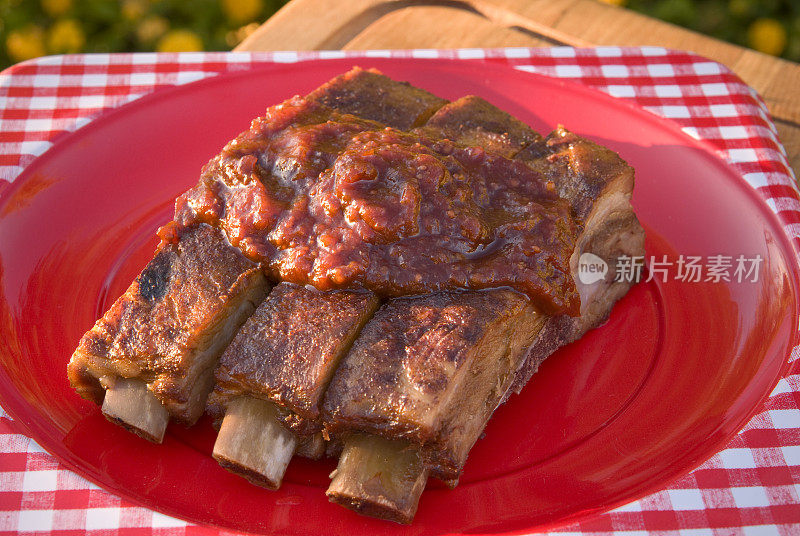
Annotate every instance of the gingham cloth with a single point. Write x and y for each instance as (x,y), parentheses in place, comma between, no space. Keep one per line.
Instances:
(751,487)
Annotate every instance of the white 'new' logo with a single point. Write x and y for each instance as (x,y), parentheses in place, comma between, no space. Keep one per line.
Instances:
(591,268)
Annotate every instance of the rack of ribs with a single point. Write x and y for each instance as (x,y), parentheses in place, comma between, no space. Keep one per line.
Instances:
(422,322)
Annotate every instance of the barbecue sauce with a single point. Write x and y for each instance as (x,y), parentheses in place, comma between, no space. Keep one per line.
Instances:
(331,200)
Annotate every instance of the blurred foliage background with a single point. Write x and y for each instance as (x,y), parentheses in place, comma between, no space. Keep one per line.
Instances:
(31,28)
(769,26)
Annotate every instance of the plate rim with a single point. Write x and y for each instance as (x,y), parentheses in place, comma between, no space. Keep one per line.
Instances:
(709,150)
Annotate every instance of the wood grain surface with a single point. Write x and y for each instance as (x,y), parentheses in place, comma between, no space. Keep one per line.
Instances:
(382,24)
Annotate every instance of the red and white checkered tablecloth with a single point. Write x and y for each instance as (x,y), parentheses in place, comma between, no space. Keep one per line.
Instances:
(751,487)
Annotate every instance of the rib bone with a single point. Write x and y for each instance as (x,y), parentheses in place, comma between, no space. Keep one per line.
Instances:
(379,477)
(253,443)
(130,404)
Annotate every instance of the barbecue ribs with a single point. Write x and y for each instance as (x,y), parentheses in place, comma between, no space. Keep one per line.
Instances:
(443,239)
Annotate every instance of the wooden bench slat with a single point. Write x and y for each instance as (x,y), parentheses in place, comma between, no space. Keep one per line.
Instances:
(415,27)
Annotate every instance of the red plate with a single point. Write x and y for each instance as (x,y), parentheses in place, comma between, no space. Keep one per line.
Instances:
(670,378)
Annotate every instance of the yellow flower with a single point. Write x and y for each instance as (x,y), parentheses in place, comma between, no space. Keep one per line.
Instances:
(54,8)
(25,43)
(66,37)
(180,41)
(151,28)
(768,36)
(241,11)
(615,2)
(133,9)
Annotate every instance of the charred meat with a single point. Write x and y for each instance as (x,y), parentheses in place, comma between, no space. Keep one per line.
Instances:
(166,333)
(284,356)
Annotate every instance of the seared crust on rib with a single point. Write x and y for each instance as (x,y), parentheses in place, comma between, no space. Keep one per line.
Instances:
(472,121)
(582,171)
(371,95)
(288,350)
(172,323)
(425,367)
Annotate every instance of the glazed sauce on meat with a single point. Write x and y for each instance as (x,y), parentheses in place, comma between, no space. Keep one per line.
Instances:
(335,201)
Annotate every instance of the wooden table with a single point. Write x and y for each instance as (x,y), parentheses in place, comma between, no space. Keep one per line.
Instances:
(382,24)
